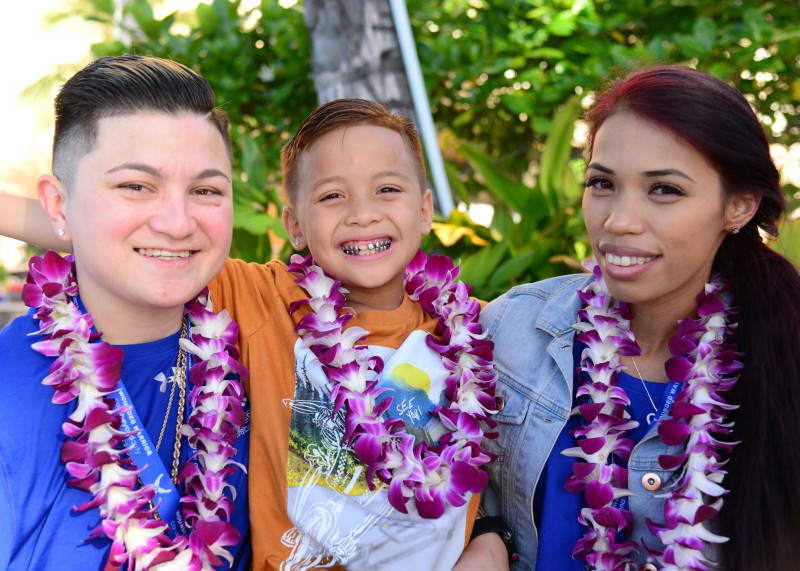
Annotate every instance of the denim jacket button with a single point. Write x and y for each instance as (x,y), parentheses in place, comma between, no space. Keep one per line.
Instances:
(651,483)
(499,403)
(648,566)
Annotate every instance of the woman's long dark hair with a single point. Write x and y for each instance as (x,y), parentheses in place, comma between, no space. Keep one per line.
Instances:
(761,515)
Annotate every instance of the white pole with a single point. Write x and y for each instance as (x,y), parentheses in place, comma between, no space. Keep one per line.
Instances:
(408,49)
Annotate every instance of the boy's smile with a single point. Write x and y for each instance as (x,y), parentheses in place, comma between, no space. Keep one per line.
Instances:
(363,249)
(361,209)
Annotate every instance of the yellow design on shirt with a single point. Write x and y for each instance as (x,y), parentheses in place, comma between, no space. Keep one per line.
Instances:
(408,374)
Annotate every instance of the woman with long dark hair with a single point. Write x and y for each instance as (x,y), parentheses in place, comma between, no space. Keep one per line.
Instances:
(651,409)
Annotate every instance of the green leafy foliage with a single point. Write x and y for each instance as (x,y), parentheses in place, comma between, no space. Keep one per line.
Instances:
(535,225)
(506,81)
(507,77)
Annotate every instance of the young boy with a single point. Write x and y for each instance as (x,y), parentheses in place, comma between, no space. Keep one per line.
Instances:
(356,195)
(355,187)
(142,189)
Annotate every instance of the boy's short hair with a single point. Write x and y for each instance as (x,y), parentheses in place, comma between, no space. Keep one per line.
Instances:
(345,113)
(122,85)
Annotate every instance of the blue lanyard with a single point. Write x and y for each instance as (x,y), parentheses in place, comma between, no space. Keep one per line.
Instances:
(143,453)
(667,400)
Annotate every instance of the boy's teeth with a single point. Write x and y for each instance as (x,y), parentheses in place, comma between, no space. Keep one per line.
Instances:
(626,261)
(163,254)
(355,249)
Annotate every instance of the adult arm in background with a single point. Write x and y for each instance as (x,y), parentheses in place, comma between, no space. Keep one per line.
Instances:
(23,218)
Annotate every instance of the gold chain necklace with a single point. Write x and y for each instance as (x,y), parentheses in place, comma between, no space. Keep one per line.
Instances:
(179,378)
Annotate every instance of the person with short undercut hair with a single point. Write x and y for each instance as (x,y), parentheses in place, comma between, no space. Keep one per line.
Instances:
(124,427)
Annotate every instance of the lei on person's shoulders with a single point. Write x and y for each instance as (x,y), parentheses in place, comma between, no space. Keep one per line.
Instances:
(435,475)
(87,370)
(706,364)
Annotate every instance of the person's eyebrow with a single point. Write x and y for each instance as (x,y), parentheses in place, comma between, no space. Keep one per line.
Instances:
(648,174)
(152,171)
(143,167)
(326,180)
(389,173)
(599,167)
(665,172)
(210,173)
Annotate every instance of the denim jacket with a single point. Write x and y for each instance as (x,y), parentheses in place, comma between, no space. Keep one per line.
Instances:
(531,327)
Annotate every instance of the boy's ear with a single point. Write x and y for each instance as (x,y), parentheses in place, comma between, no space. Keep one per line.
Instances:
(292,226)
(53,197)
(740,209)
(426,213)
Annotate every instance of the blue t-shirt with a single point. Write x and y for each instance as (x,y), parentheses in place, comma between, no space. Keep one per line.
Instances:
(556,510)
(38,527)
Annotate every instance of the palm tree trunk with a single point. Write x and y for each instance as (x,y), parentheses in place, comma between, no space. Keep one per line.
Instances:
(355,53)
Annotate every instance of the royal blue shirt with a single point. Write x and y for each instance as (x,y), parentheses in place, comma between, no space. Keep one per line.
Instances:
(38,527)
(556,510)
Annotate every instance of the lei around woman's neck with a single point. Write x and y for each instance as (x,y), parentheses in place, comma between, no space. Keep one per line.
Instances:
(87,370)
(706,365)
(432,475)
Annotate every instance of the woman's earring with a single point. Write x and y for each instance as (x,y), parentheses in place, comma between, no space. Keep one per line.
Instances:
(60,232)
(735,229)
(296,242)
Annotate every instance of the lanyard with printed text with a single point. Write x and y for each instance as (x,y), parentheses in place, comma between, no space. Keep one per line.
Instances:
(667,401)
(143,453)
(145,457)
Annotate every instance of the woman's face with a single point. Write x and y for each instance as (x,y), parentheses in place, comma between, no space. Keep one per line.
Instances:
(655,212)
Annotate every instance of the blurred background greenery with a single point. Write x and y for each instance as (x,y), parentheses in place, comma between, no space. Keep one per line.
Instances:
(507,82)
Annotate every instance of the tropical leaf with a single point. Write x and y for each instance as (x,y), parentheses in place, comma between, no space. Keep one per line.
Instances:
(557,153)
(503,188)
(788,242)
(476,268)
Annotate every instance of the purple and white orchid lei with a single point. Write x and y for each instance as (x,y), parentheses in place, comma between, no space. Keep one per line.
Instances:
(433,475)
(87,369)
(706,365)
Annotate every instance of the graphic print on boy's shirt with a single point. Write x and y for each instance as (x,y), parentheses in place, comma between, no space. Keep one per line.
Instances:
(335,515)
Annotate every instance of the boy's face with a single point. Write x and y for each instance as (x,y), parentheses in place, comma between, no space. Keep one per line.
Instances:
(361,210)
(150,214)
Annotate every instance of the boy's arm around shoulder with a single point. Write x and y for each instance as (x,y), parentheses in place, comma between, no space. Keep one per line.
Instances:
(23,218)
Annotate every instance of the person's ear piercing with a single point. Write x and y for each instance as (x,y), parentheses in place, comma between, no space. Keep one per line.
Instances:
(60,232)
(296,242)
(735,229)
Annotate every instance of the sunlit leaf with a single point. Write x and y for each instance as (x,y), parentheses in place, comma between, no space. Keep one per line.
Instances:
(449,234)
(788,242)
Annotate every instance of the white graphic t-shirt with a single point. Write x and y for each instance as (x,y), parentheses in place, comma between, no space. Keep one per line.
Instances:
(336,517)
